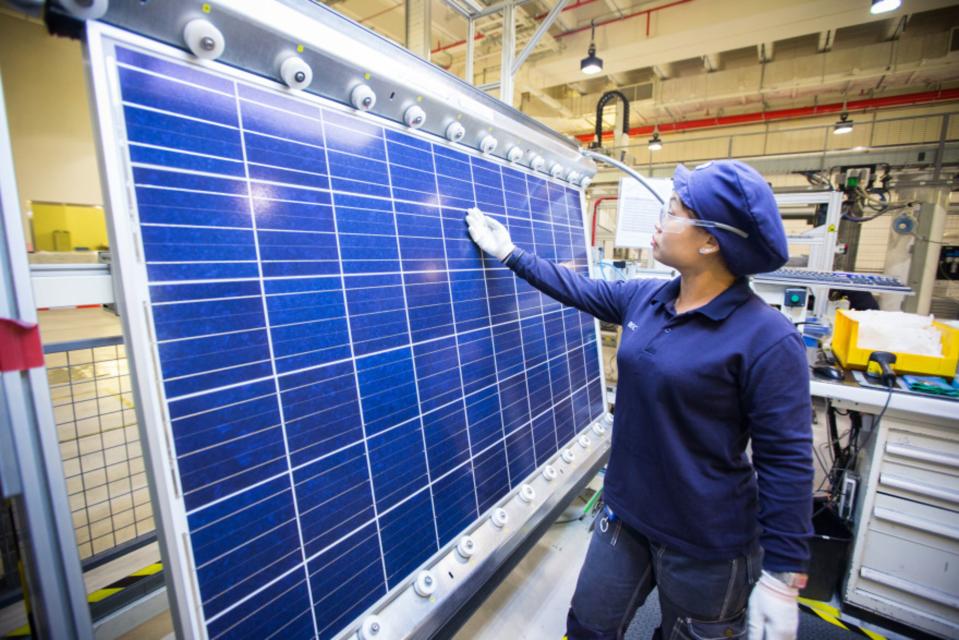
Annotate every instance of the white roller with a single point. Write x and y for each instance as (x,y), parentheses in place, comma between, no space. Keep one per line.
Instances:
(203,39)
(414,117)
(514,154)
(371,628)
(455,132)
(296,73)
(425,584)
(527,493)
(549,472)
(362,97)
(568,456)
(499,518)
(466,547)
(488,144)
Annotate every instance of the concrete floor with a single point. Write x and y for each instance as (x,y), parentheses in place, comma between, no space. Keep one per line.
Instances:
(67,325)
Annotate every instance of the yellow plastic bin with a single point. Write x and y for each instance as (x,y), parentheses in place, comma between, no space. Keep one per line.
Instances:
(845,346)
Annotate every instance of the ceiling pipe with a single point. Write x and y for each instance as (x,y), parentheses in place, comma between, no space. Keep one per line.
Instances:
(581,3)
(627,16)
(924,97)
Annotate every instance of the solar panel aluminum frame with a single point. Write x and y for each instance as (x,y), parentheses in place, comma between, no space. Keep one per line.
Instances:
(260,34)
(422,615)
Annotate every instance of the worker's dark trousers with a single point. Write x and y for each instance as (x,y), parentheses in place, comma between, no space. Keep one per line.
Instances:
(699,599)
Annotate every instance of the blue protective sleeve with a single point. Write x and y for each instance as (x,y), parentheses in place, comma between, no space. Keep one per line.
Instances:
(779,414)
(604,300)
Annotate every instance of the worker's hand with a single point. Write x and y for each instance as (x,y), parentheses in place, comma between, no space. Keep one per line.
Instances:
(773,610)
(491,236)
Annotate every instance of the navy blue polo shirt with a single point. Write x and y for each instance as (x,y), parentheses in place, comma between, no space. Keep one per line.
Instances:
(694,389)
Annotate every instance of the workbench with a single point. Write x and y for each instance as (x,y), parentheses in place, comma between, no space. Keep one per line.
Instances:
(904,561)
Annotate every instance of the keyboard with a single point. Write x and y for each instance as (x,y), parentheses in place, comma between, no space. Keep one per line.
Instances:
(835,280)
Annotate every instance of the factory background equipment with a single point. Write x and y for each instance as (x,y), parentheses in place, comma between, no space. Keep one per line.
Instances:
(334,447)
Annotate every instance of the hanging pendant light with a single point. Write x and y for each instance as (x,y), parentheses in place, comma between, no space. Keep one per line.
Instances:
(883,6)
(591,64)
(843,125)
(655,143)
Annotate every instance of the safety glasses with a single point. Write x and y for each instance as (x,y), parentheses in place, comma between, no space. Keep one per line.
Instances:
(676,224)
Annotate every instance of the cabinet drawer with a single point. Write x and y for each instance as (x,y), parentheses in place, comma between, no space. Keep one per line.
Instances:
(922,580)
(923,467)
(921,523)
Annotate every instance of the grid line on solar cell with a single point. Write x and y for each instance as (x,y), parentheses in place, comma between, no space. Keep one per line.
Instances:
(266,315)
(356,382)
(416,386)
(358,254)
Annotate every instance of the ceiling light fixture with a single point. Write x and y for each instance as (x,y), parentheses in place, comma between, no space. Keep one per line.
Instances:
(844,125)
(591,64)
(655,144)
(884,6)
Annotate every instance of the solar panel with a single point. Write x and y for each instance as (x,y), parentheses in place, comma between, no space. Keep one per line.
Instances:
(347,383)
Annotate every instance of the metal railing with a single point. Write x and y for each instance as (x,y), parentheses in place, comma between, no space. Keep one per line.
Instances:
(100,445)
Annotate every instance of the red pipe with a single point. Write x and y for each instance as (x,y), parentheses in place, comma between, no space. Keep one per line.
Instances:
(576,5)
(922,97)
(592,241)
(453,45)
(646,12)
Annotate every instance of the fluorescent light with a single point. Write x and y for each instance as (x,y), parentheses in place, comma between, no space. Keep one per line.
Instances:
(655,144)
(883,6)
(591,64)
(844,125)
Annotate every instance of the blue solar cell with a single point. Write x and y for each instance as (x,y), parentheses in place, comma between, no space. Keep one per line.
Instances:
(544,436)
(437,373)
(409,536)
(387,389)
(520,454)
(334,497)
(454,496)
(346,579)
(483,417)
(492,475)
(398,461)
(282,608)
(447,439)
(350,381)
(537,382)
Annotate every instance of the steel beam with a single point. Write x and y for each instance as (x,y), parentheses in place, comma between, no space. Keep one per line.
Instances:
(538,34)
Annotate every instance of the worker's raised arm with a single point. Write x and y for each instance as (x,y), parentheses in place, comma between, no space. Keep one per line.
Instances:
(604,300)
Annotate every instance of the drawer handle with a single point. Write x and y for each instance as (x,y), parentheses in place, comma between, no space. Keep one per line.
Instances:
(899,482)
(916,523)
(924,455)
(908,586)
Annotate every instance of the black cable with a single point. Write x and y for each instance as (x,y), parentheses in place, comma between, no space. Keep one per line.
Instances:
(875,425)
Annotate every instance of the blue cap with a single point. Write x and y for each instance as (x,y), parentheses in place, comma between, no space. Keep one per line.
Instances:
(733,193)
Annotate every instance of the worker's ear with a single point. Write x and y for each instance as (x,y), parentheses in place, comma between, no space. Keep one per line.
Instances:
(710,246)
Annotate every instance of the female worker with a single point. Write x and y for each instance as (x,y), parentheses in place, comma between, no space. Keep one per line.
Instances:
(705,367)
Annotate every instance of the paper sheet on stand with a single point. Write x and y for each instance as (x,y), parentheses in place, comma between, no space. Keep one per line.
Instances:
(638,211)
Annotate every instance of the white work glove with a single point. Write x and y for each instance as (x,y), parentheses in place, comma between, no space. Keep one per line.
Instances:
(491,236)
(773,610)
